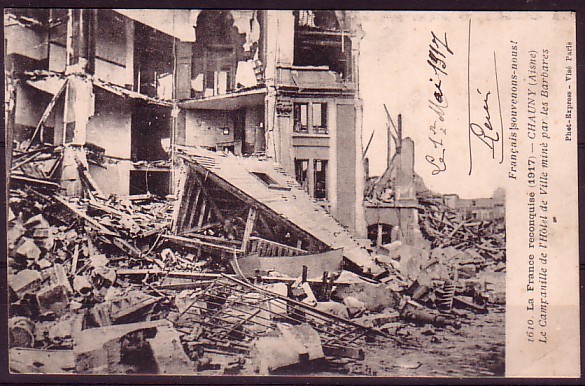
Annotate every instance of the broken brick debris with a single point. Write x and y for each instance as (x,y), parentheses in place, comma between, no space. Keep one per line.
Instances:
(107,287)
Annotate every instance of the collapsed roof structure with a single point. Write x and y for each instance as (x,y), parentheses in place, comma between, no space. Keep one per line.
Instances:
(220,186)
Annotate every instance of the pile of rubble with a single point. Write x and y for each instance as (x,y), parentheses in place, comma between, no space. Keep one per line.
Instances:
(109,286)
(480,239)
(95,288)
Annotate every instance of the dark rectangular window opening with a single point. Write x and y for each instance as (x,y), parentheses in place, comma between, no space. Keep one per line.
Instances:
(150,127)
(320,192)
(301,118)
(301,172)
(269,181)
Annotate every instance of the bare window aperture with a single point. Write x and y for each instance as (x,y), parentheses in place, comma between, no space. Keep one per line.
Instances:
(321,40)
(320,167)
(319,111)
(269,181)
(310,118)
(216,53)
(301,172)
(301,117)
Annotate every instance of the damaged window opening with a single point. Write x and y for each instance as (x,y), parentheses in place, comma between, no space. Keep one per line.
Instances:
(155,182)
(301,172)
(301,118)
(313,115)
(153,62)
(320,168)
(380,234)
(217,52)
(150,125)
(320,118)
(320,41)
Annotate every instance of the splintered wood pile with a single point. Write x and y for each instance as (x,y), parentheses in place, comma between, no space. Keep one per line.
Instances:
(445,228)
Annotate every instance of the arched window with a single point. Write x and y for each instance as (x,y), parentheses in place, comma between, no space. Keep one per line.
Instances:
(216,52)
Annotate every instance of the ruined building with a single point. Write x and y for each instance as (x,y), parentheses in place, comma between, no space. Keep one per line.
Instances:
(391,204)
(122,90)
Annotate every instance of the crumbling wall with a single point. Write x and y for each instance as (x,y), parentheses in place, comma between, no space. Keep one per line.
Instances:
(24,41)
(113,177)
(346,166)
(109,128)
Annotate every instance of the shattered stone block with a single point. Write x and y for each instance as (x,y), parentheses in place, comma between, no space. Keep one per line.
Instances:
(28,249)
(168,352)
(14,234)
(334,308)
(53,300)
(376,297)
(286,346)
(59,277)
(354,306)
(62,329)
(41,233)
(82,285)
(25,281)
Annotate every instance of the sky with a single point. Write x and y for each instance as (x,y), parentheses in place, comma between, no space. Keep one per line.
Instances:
(394,70)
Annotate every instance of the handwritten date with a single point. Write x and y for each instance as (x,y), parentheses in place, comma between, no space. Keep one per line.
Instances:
(439,51)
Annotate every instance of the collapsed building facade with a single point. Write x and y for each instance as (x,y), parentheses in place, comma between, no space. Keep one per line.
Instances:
(130,89)
(187,197)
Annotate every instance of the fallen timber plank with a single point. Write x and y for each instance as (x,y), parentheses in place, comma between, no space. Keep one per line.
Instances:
(35,181)
(26,160)
(85,217)
(290,265)
(213,239)
(195,243)
(205,276)
(46,113)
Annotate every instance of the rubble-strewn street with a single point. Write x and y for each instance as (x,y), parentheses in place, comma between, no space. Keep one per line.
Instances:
(98,283)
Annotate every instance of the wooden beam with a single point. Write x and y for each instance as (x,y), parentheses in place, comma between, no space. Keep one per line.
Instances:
(209,198)
(46,114)
(268,243)
(91,182)
(35,181)
(235,243)
(194,243)
(202,212)
(194,230)
(178,210)
(85,217)
(225,185)
(192,206)
(250,224)
(267,226)
(26,160)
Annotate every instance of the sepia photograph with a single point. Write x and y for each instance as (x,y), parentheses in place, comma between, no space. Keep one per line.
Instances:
(317,193)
